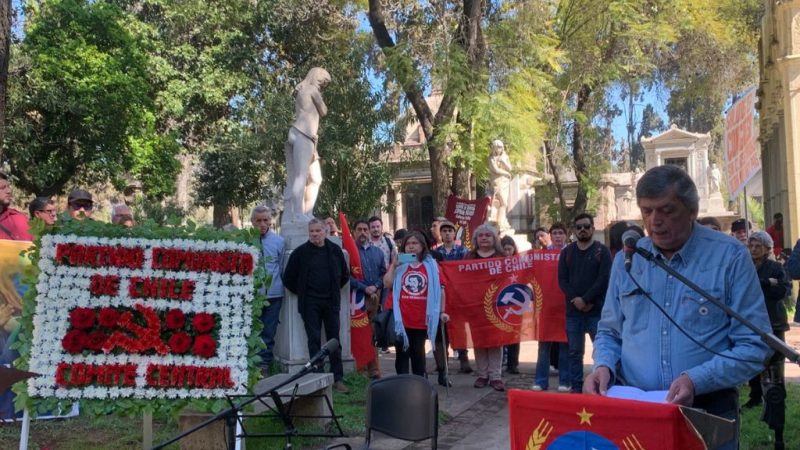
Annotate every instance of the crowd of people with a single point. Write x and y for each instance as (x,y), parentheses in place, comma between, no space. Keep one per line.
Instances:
(648,330)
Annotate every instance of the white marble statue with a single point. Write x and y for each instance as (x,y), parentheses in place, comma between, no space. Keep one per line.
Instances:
(303,173)
(714,178)
(500,172)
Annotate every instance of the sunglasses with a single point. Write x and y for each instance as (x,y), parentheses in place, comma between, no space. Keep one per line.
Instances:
(583,227)
(83,206)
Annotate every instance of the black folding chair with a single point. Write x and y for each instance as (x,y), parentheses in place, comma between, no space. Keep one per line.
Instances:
(403,407)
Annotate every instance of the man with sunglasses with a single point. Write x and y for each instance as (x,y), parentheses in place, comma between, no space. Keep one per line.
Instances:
(80,204)
(13,224)
(583,270)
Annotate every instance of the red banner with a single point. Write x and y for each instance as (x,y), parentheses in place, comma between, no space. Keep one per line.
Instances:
(360,330)
(540,420)
(742,155)
(505,300)
(466,215)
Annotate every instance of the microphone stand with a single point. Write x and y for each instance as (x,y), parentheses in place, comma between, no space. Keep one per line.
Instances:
(770,339)
(231,414)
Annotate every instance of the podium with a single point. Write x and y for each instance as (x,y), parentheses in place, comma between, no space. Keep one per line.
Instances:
(540,420)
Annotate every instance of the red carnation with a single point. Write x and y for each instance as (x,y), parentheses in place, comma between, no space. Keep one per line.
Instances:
(95,340)
(74,341)
(180,343)
(175,319)
(204,346)
(108,317)
(82,318)
(203,322)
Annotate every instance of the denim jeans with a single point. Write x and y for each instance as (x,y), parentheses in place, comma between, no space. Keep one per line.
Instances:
(270,316)
(543,364)
(577,328)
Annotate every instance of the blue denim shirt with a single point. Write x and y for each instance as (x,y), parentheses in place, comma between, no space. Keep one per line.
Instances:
(641,346)
(273,248)
(372,266)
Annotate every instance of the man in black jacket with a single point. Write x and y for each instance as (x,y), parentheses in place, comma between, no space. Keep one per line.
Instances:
(315,273)
(583,272)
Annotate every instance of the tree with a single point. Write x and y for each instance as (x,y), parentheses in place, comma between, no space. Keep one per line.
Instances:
(651,123)
(713,59)
(487,92)
(5,55)
(80,102)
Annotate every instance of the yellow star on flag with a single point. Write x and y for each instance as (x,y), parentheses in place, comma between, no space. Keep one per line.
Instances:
(585,416)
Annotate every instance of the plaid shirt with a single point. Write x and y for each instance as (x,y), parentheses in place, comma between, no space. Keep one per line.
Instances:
(458,252)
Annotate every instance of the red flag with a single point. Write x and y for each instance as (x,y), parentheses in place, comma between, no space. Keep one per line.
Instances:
(498,301)
(466,215)
(360,329)
(540,420)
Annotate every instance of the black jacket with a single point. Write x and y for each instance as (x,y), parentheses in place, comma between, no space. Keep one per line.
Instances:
(295,277)
(773,295)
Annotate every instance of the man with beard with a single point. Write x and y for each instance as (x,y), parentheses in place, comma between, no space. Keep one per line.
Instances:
(13,224)
(583,270)
(371,286)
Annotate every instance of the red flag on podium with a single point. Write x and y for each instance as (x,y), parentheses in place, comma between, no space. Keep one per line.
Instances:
(360,329)
(540,420)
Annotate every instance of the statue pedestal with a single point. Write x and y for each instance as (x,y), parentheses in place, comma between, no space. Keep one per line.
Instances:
(715,203)
(291,341)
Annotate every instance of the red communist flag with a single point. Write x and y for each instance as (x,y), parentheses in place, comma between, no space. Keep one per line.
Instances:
(500,301)
(540,420)
(360,329)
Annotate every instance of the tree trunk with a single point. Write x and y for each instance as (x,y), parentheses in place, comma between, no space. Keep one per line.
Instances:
(461,179)
(579,155)
(222,215)
(5,48)
(554,168)
(470,37)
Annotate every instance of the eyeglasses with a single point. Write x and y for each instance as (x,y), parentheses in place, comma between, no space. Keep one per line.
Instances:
(580,226)
(52,212)
(83,206)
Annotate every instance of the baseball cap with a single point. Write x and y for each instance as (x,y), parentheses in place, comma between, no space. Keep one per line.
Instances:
(446,223)
(79,195)
(740,225)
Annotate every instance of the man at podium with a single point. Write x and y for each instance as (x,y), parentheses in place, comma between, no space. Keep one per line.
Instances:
(636,342)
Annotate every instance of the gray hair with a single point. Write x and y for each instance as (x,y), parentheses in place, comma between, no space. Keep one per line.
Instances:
(320,222)
(260,209)
(483,228)
(763,237)
(660,180)
(120,212)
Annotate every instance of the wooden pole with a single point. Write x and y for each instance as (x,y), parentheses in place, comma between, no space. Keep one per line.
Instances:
(147,430)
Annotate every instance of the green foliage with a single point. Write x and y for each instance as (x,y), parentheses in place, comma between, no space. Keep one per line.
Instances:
(81,103)
(231,170)
(147,230)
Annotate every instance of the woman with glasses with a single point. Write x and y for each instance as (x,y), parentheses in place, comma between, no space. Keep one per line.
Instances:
(43,208)
(489,360)
(418,304)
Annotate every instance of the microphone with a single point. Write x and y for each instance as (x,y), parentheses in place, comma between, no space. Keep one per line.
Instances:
(629,240)
(329,347)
